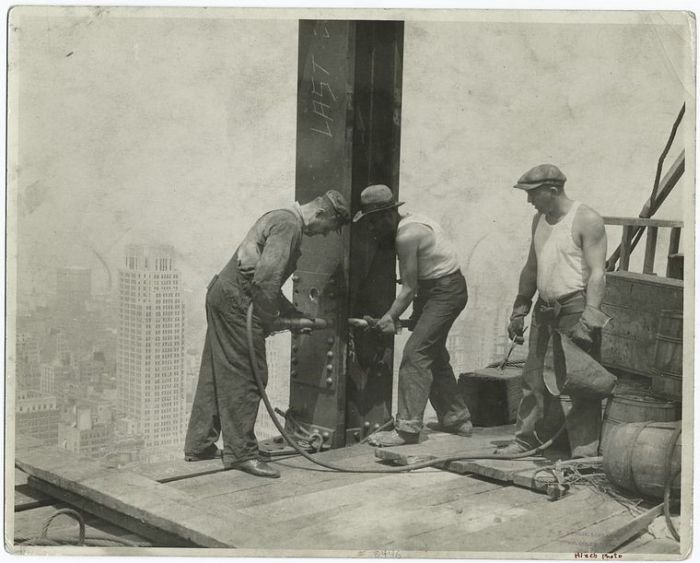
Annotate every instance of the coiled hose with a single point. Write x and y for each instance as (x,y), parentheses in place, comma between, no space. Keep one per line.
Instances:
(401,469)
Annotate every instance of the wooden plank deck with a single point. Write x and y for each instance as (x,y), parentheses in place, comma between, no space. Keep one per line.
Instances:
(318,509)
(483,441)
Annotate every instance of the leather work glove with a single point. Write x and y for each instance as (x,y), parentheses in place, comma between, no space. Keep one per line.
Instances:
(582,332)
(516,327)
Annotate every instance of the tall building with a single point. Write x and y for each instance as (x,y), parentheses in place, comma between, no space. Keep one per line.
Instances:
(73,289)
(37,415)
(151,345)
(28,361)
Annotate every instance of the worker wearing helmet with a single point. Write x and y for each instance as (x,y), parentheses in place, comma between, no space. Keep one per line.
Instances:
(566,267)
(432,281)
(227,397)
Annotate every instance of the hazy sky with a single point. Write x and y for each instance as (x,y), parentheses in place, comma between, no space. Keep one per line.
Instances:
(135,127)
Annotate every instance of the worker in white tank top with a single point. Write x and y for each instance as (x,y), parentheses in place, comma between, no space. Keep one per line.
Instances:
(561,266)
(436,256)
(566,266)
(432,281)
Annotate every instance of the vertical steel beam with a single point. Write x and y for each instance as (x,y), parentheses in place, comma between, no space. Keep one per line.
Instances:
(348,132)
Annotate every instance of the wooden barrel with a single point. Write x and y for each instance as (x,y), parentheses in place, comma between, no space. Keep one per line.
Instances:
(631,407)
(635,457)
(668,353)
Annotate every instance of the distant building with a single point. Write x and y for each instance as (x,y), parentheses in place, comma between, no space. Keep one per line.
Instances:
(91,369)
(28,361)
(73,289)
(87,427)
(48,379)
(151,345)
(278,356)
(37,415)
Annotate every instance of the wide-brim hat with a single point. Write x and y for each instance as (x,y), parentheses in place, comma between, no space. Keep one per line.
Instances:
(374,199)
(541,175)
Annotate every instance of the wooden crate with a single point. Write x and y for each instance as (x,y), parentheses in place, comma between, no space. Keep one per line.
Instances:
(634,301)
(492,395)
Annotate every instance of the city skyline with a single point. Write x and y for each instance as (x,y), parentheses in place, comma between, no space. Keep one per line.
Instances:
(97,395)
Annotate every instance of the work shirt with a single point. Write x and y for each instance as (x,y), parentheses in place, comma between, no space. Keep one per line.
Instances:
(434,260)
(267,257)
(561,266)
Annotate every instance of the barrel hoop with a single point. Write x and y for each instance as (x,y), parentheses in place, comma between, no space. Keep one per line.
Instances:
(665,338)
(628,457)
(669,374)
(669,451)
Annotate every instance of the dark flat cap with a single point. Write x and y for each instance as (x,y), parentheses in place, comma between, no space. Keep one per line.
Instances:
(339,205)
(542,175)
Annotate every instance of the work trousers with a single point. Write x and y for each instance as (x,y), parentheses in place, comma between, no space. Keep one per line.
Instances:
(227,398)
(425,372)
(540,414)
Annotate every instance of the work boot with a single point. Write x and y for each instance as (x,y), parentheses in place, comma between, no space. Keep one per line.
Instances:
(256,467)
(210,452)
(391,438)
(511,450)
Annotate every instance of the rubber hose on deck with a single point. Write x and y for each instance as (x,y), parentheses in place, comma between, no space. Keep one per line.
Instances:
(411,467)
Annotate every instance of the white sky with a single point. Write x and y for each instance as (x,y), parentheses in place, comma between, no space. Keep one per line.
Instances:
(133,127)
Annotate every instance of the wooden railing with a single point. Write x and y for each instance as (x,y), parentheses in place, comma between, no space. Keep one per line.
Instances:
(631,225)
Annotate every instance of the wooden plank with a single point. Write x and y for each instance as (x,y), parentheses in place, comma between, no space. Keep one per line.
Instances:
(650,251)
(139,499)
(298,475)
(625,248)
(482,441)
(516,471)
(157,536)
(166,471)
(634,301)
(641,222)
(649,545)
(525,532)
(605,535)
(350,495)
(635,279)
(20,477)
(673,246)
(26,497)
(408,507)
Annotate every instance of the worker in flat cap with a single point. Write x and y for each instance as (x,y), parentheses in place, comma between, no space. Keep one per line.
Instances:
(565,267)
(227,398)
(431,279)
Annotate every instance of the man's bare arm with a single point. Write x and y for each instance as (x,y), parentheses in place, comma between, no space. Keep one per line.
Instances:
(594,243)
(407,244)
(527,286)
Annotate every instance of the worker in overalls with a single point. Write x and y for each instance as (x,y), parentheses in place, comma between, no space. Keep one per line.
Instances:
(227,398)
(432,281)
(566,267)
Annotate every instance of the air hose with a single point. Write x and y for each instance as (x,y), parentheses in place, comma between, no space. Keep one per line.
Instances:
(401,469)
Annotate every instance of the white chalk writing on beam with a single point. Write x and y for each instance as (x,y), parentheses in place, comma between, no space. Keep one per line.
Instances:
(324,97)
(317,88)
(320,109)
(327,132)
(315,65)
(325,34)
